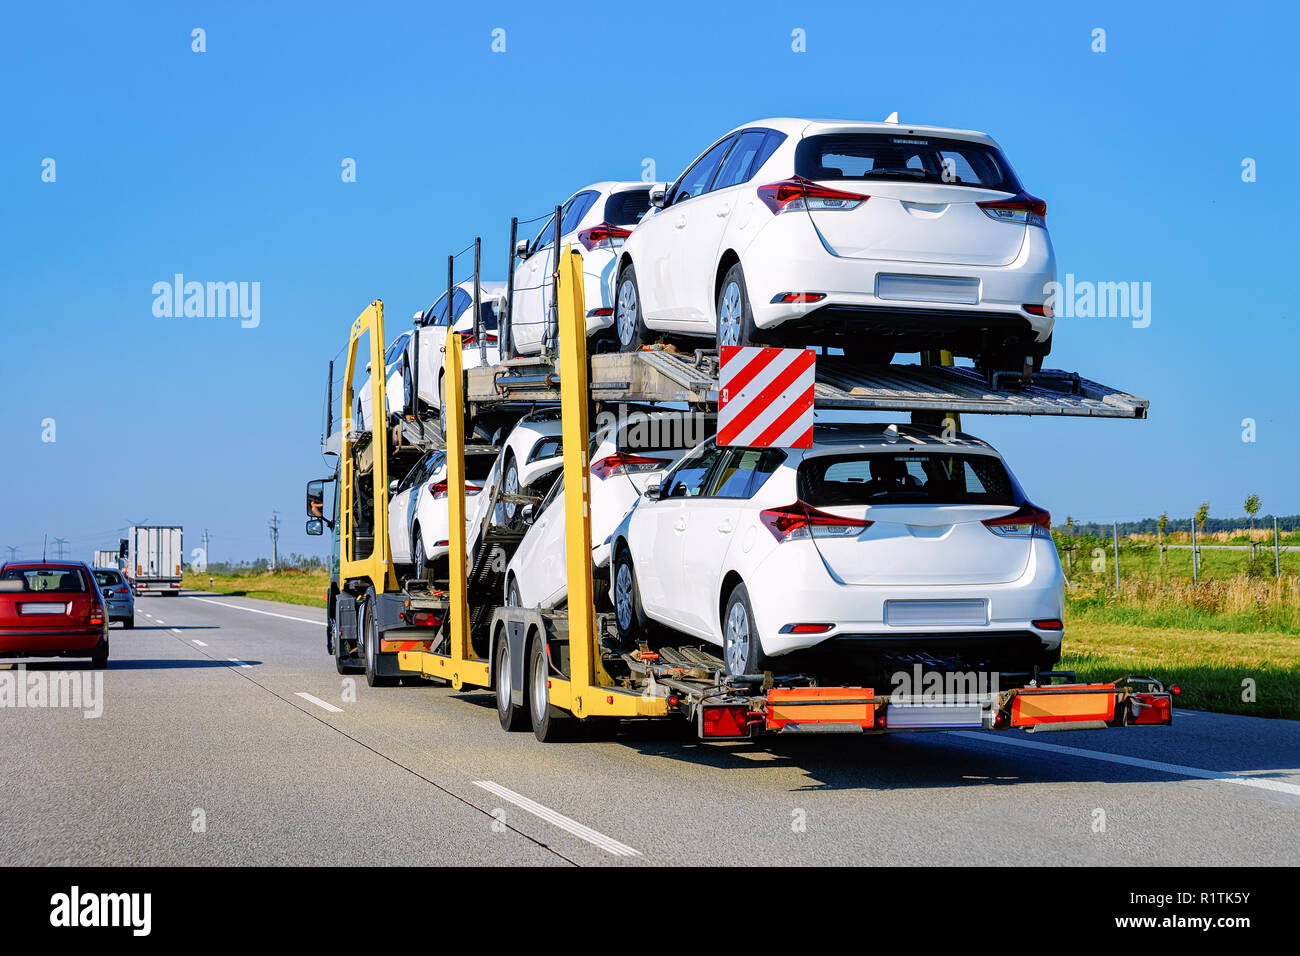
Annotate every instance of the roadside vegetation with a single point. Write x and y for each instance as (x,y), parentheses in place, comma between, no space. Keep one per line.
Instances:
(287,585)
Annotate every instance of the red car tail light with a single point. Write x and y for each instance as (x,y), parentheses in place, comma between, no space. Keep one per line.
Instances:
(1027,521)
(787,297)
(467,340)
(1043,310)
(1049,624)
(426,619)
(797,521)
(1022,208)
(605,236)
(624,464)
(439,489)
(799,193)
(97,614)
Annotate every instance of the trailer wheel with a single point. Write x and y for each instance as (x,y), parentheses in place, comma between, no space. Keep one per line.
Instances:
(369,631)
(512,718)
(550,724)
(741,648)
(629,323)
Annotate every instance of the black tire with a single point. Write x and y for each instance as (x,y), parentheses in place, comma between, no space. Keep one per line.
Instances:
(99,658)
(550,724)
(513,719)
(408,392)
(512,593)
(129,623)
(733,303)
(369,630)
(629,324)
(741,650)
(419,569)
(628,614)
(508,511)
(344,665)
(442,409)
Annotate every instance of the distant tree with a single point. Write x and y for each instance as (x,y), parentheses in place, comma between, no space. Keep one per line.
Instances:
(1202,513)
(1069,525)
(1252,509)
(1161,523)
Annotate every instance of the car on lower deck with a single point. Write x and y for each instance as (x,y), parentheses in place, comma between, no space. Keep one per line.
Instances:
(877,238)
(119,600)
(52,609)
(878,543)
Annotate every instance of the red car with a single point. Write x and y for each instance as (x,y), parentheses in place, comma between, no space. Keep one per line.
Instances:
(52,609)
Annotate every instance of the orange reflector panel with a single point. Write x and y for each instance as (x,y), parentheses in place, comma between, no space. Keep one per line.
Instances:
(1057,705)
(1151,709)
(724,720)
(393,647)
(820,705)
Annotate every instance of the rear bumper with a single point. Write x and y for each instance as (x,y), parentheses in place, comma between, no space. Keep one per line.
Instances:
(70,643)
(968,331)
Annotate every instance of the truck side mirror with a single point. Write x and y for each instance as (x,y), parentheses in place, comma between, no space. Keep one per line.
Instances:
(315,499)
(315,526)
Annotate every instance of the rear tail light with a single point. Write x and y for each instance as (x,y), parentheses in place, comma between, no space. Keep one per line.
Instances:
(1151,708)
(439,489)
(123,590)
(724,720)
(1049,624)
(605,236)
(1043,310)
(784,297)
(468,341)
(1022,208)
(797,521)
(623,464)
(806,628)
(97,614)
(426,619)
(799,193)
(599,313)
(1027,521)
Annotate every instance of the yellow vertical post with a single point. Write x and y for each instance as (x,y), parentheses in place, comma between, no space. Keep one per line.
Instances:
(458,578)
(944,358)
(574,395)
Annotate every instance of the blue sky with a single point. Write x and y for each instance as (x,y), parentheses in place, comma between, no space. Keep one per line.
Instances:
(225,166)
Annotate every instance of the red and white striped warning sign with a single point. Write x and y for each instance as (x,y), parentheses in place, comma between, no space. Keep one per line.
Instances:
(765,397)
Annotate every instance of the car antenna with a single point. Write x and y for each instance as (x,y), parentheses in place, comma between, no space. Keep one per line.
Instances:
(44,546)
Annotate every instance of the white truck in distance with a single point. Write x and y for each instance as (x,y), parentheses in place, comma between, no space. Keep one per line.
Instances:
(154,556)
(106,558)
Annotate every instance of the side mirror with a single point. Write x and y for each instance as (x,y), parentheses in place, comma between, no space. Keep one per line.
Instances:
(521,249)
(315,526)
(392,486)
(417,318)
(653,490)
(315,500)
(527,511)
(658,195)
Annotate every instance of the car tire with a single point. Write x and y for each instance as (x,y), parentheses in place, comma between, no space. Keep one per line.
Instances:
(629,324)
(129,623)
(741,649)
(509,478)
(550,724)
(735,318)
(629,617)
(513,719)
(512,593)
(99,658)
(408,392)
(370,637)
(419,569)
(442,408)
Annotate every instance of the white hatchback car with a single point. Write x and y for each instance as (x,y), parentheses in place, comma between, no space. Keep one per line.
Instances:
(877,541)
(877,238)
(433,326)
(396,392)
(595,221)
(418,511)
(625,456)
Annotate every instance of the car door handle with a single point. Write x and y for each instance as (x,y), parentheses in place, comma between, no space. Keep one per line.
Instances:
(680,223)
(680,525)
(726,527)
(723,212)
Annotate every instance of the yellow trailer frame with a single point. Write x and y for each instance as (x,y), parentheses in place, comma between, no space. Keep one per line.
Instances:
(588,691)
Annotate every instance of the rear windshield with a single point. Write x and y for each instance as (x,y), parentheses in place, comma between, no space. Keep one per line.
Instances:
(666,431)
(108,578)
(627,208)
(66,580)
(903,158)
(477,467)
(906,478)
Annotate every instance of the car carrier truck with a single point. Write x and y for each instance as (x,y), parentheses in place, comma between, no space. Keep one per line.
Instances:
(562,672)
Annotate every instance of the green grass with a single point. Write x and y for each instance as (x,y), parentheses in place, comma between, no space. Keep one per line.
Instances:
(289,587)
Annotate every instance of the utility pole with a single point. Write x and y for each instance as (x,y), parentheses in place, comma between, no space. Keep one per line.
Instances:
(58,546)
(274,524)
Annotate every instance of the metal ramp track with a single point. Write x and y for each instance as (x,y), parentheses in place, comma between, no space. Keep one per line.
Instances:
(667,376)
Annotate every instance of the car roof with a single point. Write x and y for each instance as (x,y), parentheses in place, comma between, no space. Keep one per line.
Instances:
(794,126)
(836,436)
(611,186)
(54,565)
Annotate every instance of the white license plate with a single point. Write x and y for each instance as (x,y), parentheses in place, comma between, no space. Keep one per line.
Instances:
(928,289)
(974,613)
(44,608)
(934,716)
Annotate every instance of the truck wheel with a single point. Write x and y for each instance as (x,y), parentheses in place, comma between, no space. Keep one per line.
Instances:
(742,650)
(512,718)
(550,724)
(370,637)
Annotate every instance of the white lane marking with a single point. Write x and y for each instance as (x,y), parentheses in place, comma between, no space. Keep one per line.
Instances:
(160,620)
(608,844)
(198,642)
(320,703)
(253,610)
(237,662)
(1171,768)
(174,630)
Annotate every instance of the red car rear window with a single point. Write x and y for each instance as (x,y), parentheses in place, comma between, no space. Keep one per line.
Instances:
(38,579)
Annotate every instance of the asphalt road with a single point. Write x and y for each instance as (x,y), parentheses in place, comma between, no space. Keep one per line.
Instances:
(209,752)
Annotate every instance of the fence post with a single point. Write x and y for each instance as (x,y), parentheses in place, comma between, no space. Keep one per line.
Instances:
(1195,555)
(1115,527)
(1277,553)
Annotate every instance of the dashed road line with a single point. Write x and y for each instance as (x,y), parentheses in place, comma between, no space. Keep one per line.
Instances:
(253,610)
(320,703)
(594,837)
(198,642)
